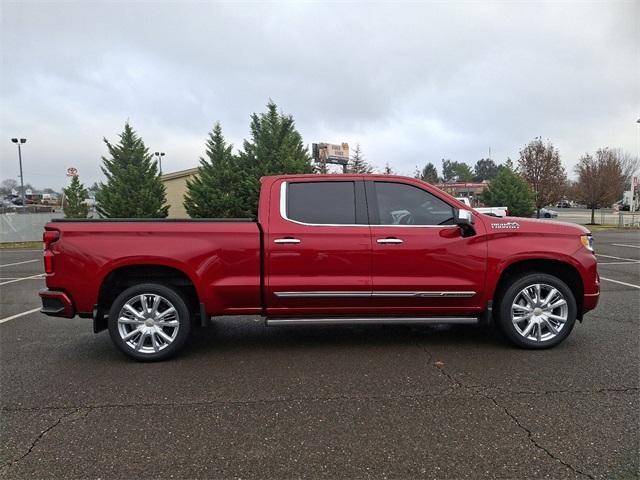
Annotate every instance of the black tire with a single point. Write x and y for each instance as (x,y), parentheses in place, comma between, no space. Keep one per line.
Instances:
(507,297)
(182,315)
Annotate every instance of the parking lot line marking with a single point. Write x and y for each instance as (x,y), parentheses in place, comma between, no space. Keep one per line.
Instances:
(39,275)
(621,283)
(616,258)
(19,263)
(18,315)
(18,250)
(623,245)
(2,279)
(618,263)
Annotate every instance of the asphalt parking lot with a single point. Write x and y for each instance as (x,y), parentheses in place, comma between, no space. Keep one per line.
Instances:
(249,401)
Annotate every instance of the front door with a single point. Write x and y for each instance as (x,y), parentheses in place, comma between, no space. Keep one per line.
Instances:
(421,262)
(318,248)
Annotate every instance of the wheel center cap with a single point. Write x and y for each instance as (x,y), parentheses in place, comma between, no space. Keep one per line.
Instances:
(149,322)
(537,311)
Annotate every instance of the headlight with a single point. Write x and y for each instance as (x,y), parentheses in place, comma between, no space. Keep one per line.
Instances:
(587,241)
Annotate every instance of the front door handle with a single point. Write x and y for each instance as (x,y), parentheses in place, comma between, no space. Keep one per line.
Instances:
(389,240)
(286,240)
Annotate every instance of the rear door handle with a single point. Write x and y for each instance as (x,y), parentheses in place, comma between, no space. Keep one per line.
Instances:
(286,240)
(389,240)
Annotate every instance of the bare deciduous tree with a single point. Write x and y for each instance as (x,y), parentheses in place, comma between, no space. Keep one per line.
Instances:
(540,166)
(630,166)
(7,185)
(601,179)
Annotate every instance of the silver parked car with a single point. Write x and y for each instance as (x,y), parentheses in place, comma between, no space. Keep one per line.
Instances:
(548,213)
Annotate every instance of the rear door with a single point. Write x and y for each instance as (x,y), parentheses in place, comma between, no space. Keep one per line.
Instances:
(421,262)
(318,248)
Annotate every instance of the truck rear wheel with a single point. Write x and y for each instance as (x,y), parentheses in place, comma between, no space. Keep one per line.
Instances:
(537,311)
(149,322)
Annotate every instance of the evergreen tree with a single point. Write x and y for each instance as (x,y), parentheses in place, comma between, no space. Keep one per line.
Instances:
(358,164)
(429,173)
(485,169)
(508,164)
(213,191)
(388,170)
(133,188)
(275,148)
(510,190)
(456,171)
(74,197)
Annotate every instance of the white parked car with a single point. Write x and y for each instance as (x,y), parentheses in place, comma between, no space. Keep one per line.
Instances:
(493,211)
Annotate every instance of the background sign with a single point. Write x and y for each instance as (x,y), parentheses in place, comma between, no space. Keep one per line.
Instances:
(72,172)
(331,153)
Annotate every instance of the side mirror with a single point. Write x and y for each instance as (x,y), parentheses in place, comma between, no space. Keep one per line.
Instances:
(464,219)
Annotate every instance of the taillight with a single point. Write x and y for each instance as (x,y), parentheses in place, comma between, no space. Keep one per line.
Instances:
(49,237)
(48,261)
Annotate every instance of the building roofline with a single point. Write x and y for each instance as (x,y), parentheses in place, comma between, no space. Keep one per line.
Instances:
(180,173)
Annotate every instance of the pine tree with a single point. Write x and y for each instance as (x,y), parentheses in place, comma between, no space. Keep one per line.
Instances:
(133,188)
(275,148)
(74,197)
(357,163)
(213,192)
(510,190)
(485,169)
(429,173)
(456,171)
(388,170)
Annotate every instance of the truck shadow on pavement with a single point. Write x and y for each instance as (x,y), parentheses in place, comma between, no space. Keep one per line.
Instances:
(233,334)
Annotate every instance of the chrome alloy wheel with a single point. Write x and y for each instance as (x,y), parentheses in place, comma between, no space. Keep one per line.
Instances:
(539,312)
(148,323)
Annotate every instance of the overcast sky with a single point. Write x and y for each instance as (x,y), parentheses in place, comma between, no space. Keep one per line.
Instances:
(411,82)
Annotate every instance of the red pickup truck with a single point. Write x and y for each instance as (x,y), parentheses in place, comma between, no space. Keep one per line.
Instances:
(325,250)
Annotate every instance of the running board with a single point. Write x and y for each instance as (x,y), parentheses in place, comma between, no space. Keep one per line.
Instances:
(372,321)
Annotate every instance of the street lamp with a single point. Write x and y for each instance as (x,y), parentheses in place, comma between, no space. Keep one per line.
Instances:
(20,142)
(159,156)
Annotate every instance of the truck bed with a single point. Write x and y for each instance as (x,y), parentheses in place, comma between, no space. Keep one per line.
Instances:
(221,258)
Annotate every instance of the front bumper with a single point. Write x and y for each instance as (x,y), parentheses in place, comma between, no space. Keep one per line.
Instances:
(590,300)
(56,303)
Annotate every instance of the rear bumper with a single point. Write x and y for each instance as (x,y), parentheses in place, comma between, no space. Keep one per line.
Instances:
(56,303)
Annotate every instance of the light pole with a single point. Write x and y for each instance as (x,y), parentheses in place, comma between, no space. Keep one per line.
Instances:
(159,156)
(633,188)
(20,142)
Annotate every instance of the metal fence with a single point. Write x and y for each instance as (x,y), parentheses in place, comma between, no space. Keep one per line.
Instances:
(24,227)
(602,217)
(626,219)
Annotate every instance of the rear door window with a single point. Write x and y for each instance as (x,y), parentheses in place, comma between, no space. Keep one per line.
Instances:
(332,203)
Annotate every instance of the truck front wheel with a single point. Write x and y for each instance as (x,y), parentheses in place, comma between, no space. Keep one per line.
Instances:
(149,322)
(537,311)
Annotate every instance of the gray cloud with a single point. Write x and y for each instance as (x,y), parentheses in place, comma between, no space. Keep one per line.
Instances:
(411,82)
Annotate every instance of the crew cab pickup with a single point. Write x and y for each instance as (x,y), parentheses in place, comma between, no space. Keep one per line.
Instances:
(325,250)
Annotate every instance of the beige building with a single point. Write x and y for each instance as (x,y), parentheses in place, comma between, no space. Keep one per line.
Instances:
(176,186)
